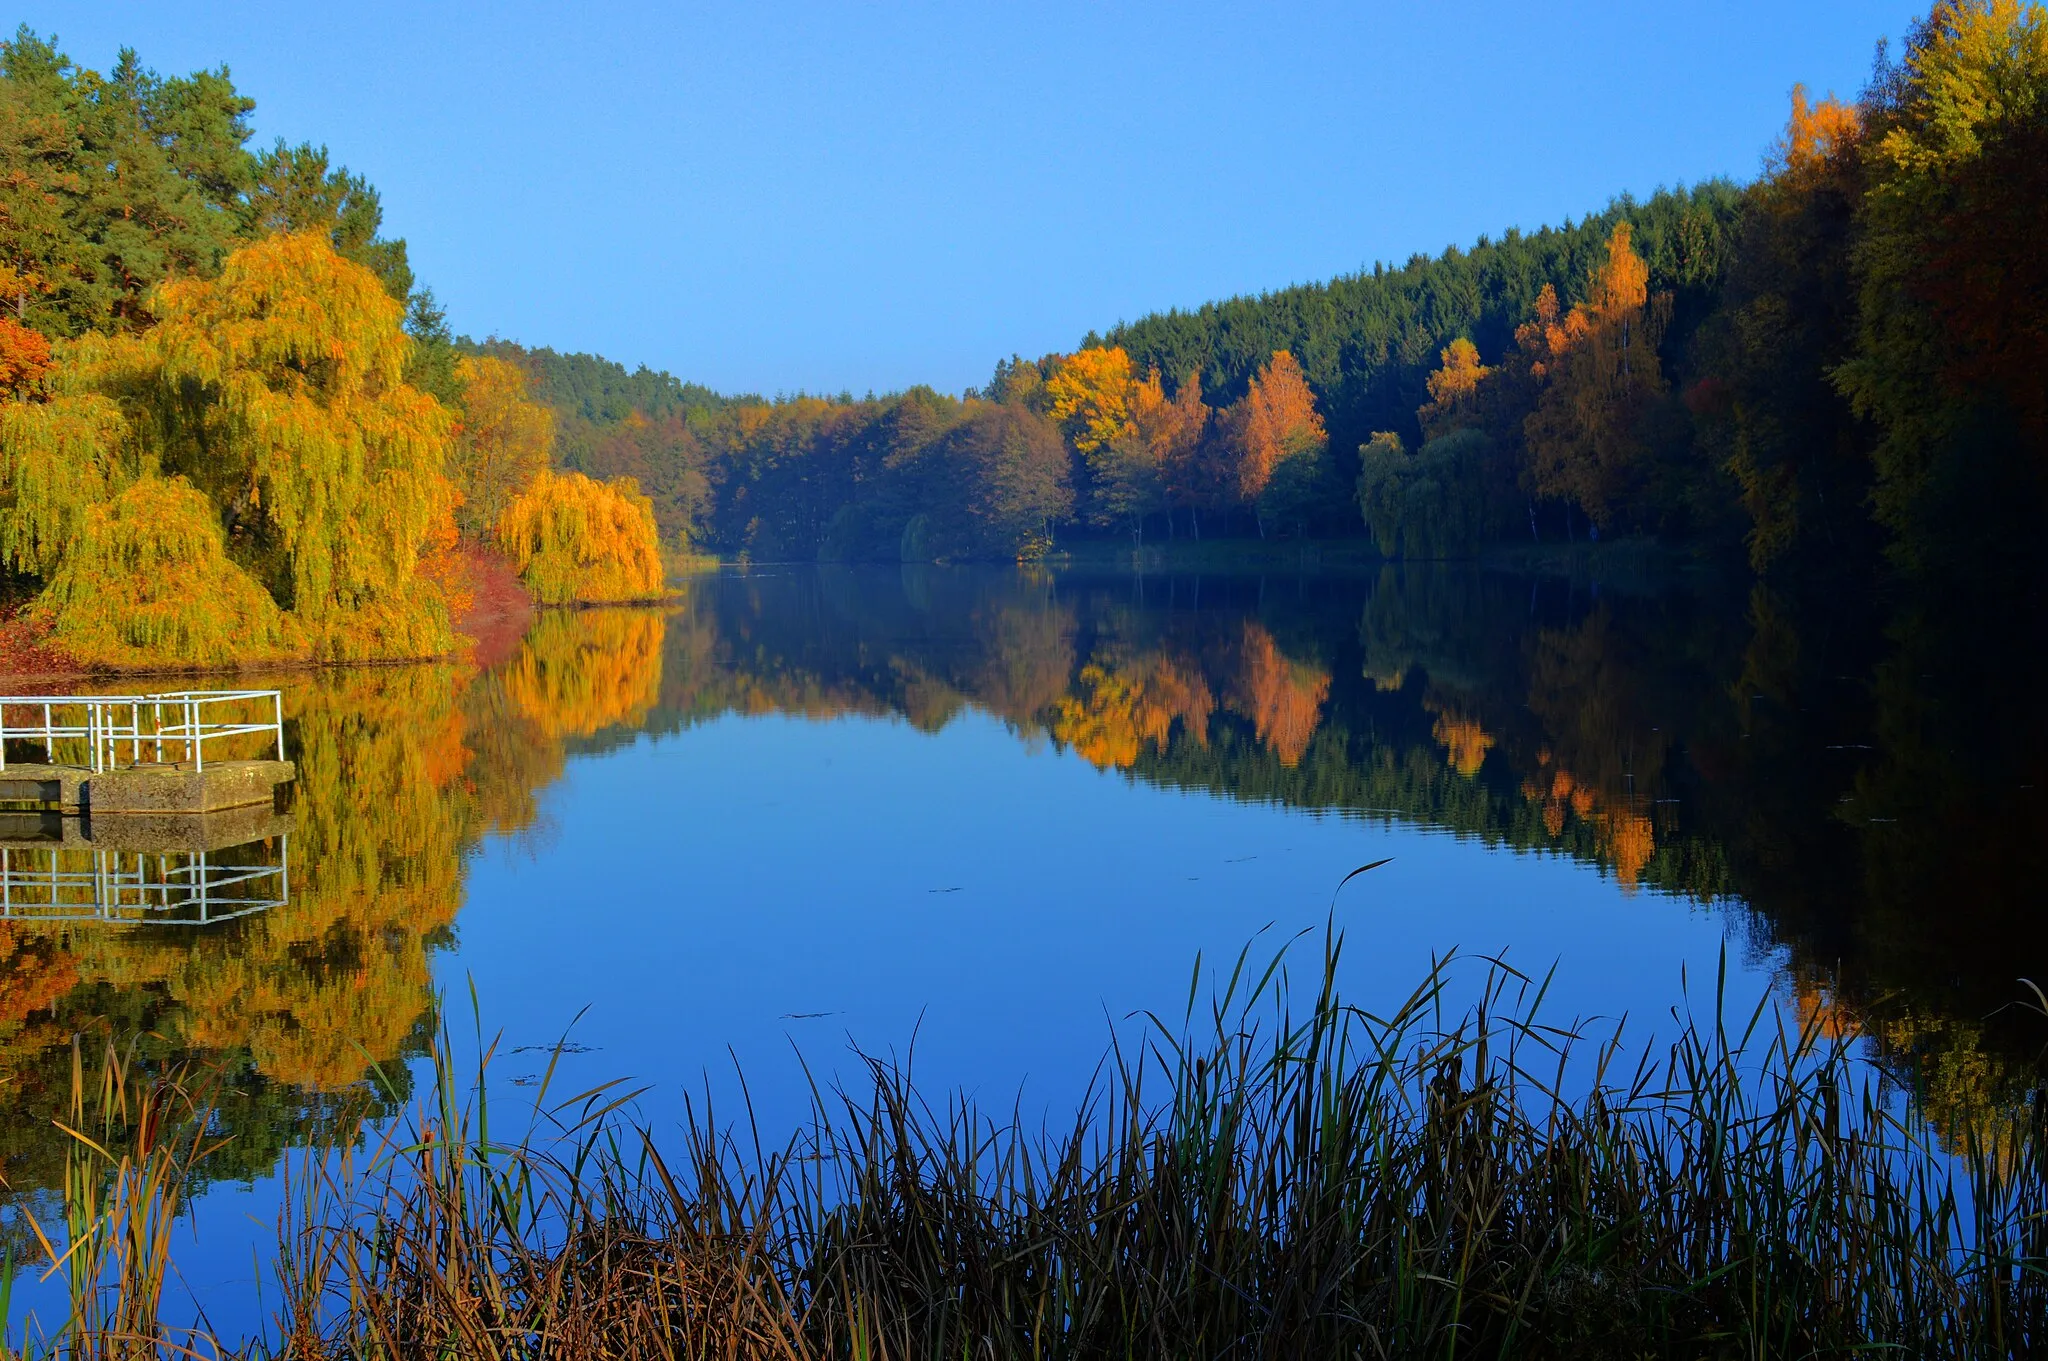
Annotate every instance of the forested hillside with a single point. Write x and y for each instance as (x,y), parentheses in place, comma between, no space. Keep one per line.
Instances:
(1369,342)
(1837,362)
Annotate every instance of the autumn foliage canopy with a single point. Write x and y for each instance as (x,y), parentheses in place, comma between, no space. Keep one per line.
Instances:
(253,478)
(578,540)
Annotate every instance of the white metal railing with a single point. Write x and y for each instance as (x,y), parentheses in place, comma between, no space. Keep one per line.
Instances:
(111,726)
(133,887)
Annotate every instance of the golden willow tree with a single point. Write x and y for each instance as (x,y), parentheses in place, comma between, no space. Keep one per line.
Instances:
(251,477)
(578,540)
(147,579)
(574,540)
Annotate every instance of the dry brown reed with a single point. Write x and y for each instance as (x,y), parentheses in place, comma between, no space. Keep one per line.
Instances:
(1266,1176)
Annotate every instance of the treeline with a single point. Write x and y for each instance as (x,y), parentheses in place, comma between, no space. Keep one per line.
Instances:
(1846,352)
(1839,358)
(231,429)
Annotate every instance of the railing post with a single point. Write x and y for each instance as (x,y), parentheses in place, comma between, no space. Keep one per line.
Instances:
(277,703)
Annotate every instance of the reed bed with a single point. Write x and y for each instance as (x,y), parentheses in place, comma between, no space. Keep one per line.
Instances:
(1276,1174)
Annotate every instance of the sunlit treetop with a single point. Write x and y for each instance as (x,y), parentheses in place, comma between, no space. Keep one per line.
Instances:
(1090,395)
(1815,133)
(1972,68)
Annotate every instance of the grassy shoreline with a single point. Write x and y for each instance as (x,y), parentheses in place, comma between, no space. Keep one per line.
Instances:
(1271,1174)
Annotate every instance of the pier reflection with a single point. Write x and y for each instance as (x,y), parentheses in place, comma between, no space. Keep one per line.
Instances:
(127,870)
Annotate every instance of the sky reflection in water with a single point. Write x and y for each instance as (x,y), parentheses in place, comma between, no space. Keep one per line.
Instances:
(996,813)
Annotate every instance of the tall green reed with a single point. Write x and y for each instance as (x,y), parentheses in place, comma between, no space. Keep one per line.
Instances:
(135,1139)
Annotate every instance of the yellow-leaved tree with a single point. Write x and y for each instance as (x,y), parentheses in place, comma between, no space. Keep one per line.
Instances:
(502,441)
(1090,398)
(1453,390)
(283,381)
(250,477)
(147,579)
(574,540)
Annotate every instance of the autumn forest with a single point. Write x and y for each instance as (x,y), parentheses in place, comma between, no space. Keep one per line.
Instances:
(1659,587)
(216,364)
(1835,364)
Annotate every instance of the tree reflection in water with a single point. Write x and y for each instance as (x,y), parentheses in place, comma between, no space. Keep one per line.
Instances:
(1864,793)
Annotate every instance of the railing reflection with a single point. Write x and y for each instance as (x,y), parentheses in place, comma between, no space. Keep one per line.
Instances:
(132,870)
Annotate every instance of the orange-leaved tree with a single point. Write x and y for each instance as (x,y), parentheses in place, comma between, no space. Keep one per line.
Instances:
(1815,134)
(1599,373)
(24,357)
(574,539)
(1135,470)
(1277,442)
(1174,432)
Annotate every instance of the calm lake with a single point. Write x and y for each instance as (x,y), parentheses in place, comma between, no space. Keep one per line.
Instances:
(978,818)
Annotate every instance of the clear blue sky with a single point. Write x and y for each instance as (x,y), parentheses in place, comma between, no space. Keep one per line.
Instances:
(774,196)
